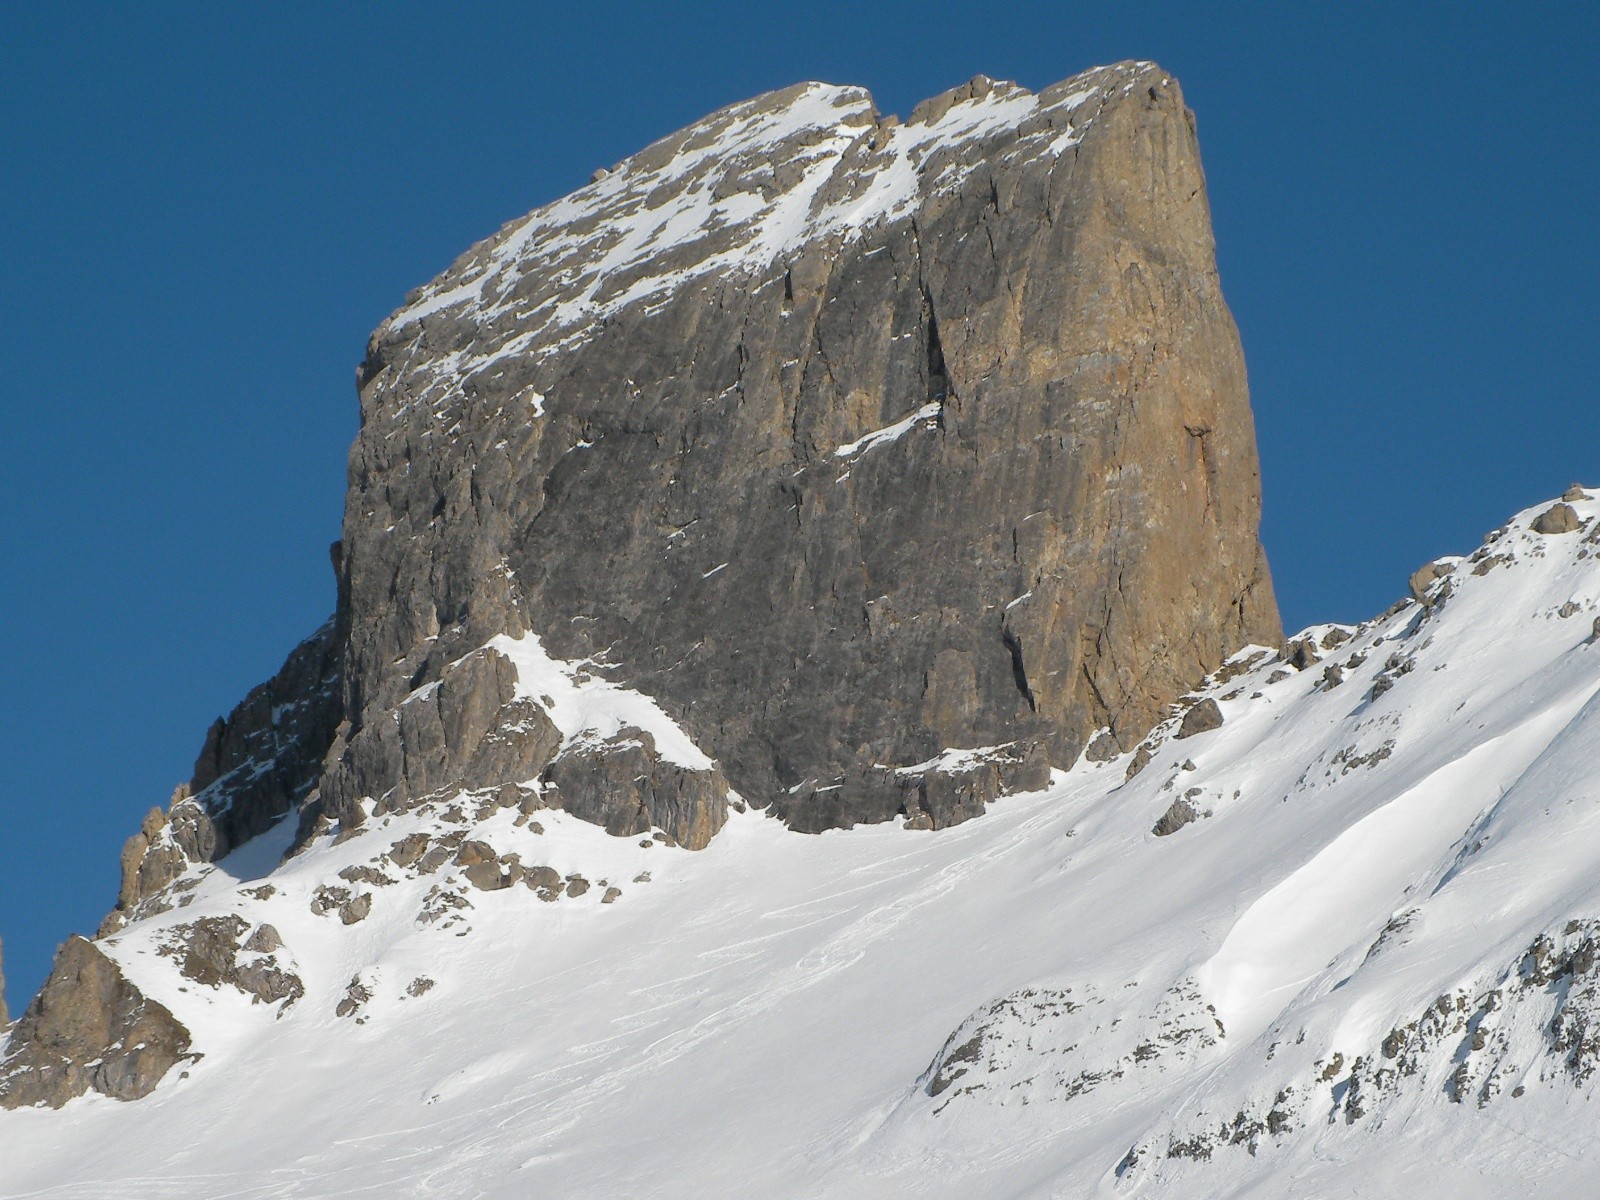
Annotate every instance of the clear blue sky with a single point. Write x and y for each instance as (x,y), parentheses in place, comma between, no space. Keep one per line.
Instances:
(204,209)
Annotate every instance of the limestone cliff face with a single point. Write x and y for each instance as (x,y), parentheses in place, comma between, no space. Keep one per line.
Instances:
(864,468)
(850,442)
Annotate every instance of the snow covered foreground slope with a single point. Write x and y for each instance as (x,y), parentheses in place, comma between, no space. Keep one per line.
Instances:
(1369,965)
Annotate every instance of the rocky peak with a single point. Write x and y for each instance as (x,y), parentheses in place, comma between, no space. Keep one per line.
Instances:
(849,442)
(853,469)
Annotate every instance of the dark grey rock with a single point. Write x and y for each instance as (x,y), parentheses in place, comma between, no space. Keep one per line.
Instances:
(1062,537)
(1103,748)
(256,765)
(1178,814)
(1202,718)
(1422,579)
(941,796)
(356,994)
(207,951)
(628,788)
(468,730)
(1301,653)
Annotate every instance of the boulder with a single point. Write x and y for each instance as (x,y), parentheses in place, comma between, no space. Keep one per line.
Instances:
(1178,814)
(1424,577)
(627,787)
(1558,518)
(1202,718)
(1301,653)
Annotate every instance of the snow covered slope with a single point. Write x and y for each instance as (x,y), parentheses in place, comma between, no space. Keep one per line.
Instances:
(1361,957)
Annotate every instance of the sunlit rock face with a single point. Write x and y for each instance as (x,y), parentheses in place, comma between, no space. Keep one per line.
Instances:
(851,442)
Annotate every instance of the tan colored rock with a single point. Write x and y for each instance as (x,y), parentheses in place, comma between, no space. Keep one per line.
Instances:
(1424,576)
(1558,518)
(357,909)
(264,940)
(408,849)
(88,1029)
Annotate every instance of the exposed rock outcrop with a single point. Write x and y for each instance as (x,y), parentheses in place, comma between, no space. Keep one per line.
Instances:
(627,787)
(883,463)
(1424,577)
(1558,518)
(257,764)
(88,1029)
(906,439)
(1179,813)
(466,728)
(209,951)
(960,455)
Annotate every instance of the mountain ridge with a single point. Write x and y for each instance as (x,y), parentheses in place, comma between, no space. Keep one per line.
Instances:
(814,168)
(811,473)
(1258,953)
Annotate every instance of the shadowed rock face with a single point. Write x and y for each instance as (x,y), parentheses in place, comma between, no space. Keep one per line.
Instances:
(894,439)
(88,1029)
(257,764)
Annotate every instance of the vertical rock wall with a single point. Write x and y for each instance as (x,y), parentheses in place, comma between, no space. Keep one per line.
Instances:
(976,469)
